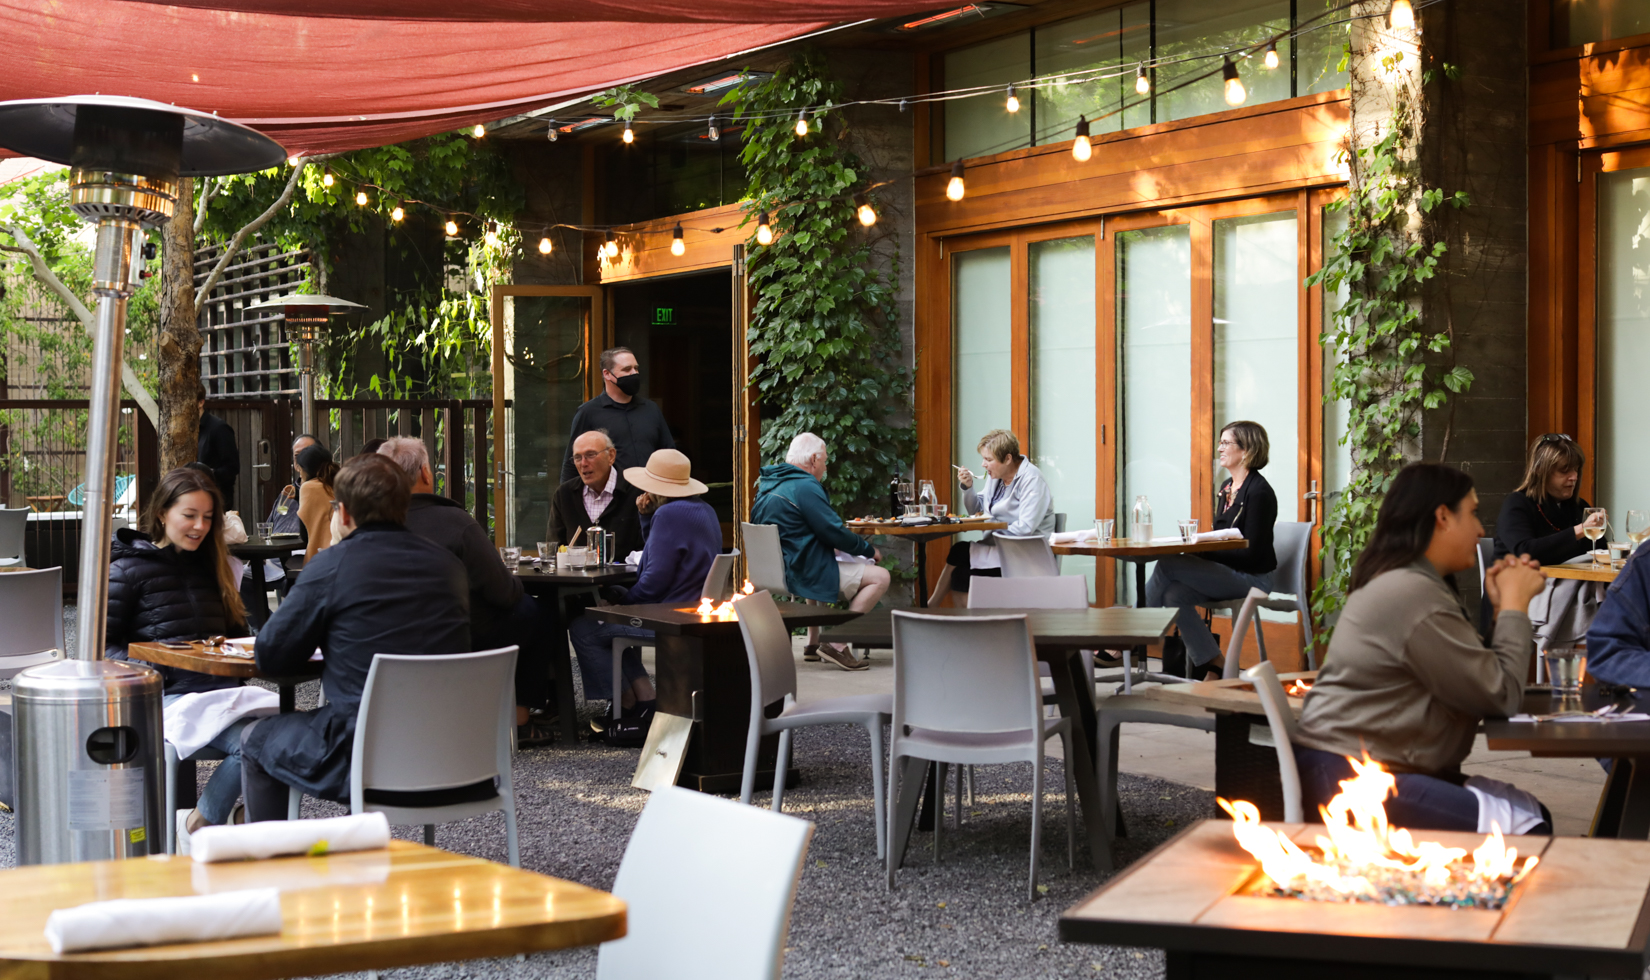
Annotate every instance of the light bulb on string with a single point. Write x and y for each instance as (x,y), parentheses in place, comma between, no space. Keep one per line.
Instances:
(1271,54)
(611,246)
(397,214)
(1081,149)
(867,214)
(714,133)
(544,246)
(361,198)
(490,237)
(1142,81)
(1013,104)
(326,177)
(954,187)
(629,134)
(452,228)
(764,233)
(678,247)
(1402,16)
(292,161)
(479,131)
(802,122)
(553,132)
(1235,92)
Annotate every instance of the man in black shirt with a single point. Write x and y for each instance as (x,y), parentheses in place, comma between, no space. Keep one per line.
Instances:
(218,451)
(635,425)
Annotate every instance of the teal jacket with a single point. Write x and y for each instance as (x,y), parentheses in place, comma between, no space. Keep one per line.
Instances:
(810,532)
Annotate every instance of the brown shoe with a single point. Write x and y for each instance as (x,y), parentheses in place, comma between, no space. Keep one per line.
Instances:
(840,655)
(810,653)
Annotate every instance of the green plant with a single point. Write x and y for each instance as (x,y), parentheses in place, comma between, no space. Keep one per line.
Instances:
(824,334)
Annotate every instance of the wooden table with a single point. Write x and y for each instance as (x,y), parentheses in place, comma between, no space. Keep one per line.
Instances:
(920,535)
(1585,573)
(256,551)
(365,910)
(1140,554)
(555,586)
(1624,804)
(703,674)
(1057,634)
(1235,695)
(203,660)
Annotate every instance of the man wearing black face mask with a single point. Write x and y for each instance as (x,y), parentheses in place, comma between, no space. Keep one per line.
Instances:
(635,425)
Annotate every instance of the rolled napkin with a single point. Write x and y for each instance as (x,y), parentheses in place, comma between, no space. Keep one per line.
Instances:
(159,921)
(1073,537)
(274,838)
(1224,534)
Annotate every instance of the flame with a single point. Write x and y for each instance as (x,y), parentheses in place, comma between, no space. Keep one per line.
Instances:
(748,588)
(1298,689)
(1362,858)
(711,613)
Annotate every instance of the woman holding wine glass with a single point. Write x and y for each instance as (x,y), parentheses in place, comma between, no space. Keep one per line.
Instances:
(1545,518)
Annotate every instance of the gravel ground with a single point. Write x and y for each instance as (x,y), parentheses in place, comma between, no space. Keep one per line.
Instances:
(966,916)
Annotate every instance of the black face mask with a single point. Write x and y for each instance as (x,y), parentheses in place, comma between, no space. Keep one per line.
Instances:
(630,384)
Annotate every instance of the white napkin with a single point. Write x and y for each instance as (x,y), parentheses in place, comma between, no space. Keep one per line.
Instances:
(1224,534)
(195,719)
(982,555)
(273,838)
(847,559)
(159,921)
(1073,537)
(1624,716)
(1503,805)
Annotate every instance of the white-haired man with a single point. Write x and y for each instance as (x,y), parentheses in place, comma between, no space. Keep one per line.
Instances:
(501,612)
(791,495)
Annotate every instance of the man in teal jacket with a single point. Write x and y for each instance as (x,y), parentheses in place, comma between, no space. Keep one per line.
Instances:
(791,496)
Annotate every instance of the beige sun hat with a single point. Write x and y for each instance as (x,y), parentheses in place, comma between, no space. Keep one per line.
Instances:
(667,474)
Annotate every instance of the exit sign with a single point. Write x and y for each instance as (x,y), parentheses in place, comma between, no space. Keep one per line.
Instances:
(664,316)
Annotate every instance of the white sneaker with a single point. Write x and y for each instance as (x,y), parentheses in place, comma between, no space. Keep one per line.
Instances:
(183,831)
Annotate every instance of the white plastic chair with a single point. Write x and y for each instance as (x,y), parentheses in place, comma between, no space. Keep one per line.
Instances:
(773,678)
(1283,723)
(407,742)
(1060,592)
(1025,556)
(173,765)
(709,886)
(717,588)
(765,558)
(1292,542)
(966,693)
(13,525)
(31,611)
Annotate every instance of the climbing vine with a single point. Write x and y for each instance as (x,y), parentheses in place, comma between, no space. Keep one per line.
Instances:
(824,332)
(1389,364)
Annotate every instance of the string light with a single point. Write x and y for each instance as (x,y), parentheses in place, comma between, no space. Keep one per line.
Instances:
(326,177)
(544,246)
(802,123)
(1235,92)
(452,228)
(361,198)
(677,246)
(629,134)
(479,131)
(1013,104)
(954,187)
(764,234)
(292,161)
(397,214)
(491,237)
(1402,16)
(714,133)
(1142,81)
(1271,54)
(1081,149)
(554,133)
(867,214)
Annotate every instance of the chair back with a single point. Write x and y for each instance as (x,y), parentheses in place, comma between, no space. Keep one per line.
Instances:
(1059,522)
(1025,556)
(13,525)
(764,558)
(433,722)
(31,607)
(1061,592)
(965,673)
(718,581)
(1276,703)
(1245,617)
(709,884)
(1292,542)
(1486,555)
(768,647)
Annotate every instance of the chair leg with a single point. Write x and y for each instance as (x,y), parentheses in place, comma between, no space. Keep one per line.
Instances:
(170,817)
(294,799)
(429,835)
(1128,671)
(618,678)
(747,781)
(1260,636)
(779,764)
(1036,824)
(940,772)
(510,839)
(906,786)
(961,772)
(1304,621)
(970,786)
(874,729)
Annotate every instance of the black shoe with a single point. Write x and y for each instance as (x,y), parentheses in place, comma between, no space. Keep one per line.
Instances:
(631,730)
(533,734)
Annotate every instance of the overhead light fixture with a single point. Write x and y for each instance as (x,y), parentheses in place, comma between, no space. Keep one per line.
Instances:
(1402,16)
(397,214)
(1142,81)
(544,246)
(491,237)
(1013,104)
(950,16)
(361,198)
(582,124)
(677,246)
(1081,149)
(326,177)
(712,133)
(867,214)
(764,232)
(553,133)
(452,228)
(726,80)
(629,134)
(954,187)
(1271,54)
(1235,92)
(802,122)
(479,131)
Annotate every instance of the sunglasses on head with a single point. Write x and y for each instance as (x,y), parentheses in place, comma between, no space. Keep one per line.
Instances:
(1556,437)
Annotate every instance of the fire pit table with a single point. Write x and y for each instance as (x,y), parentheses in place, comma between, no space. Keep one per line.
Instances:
(1580,912)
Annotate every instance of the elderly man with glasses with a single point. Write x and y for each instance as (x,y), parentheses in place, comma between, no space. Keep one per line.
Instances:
(597,495)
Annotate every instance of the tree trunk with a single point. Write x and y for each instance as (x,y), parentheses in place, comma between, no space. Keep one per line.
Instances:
(180,338)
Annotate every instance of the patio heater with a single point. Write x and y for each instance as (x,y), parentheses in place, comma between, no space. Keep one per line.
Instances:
(305,316)
(87,739)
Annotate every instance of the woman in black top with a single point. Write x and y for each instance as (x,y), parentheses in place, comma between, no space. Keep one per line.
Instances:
(1543,518)
(1246,502)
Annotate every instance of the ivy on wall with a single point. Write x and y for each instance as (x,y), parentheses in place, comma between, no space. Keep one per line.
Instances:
(824,332)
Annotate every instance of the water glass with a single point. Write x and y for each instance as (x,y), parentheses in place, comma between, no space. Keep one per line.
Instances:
(1188,530)
(1102,531)
(1566,666)
(1638,526)
(574,557)
(911,511)
(547,552)
(940,509)
(266,530)
(511,555)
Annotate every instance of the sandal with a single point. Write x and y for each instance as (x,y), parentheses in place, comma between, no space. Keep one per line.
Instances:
(533,734)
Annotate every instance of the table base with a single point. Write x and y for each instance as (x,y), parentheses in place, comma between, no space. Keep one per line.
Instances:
(707,678)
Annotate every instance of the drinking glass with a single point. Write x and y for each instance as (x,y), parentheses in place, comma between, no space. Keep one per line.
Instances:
(1594,533)
(906,493)
(576,557)
(266,530)
(911,511)
(1188,530)
(940,510)
(547,552)
(1102,531)
(1638,526)
(511,554)
(1566,667)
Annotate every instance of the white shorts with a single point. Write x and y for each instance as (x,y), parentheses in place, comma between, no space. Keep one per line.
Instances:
(850,576)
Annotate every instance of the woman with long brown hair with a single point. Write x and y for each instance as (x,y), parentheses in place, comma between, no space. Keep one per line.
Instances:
(171,580)
(1545,518)
(315,497)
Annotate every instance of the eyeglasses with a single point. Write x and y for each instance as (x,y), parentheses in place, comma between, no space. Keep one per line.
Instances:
(590,457)
(1556,437)
(336,505)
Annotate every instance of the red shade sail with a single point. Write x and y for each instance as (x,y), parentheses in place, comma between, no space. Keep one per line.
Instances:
(324,84)
(573,11)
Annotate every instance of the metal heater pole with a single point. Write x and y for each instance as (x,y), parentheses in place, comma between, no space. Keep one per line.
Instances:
(111,270)
(306,378)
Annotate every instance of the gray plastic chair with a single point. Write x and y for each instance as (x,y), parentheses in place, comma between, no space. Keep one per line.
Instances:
(31,609)
(765,558)
(966,693)
(1025,556)
(174,768)
(408,742)
(1282,720)
(773,680)
(13,525)
(709,887)
(1292,541)
(1061,592)
(718,588)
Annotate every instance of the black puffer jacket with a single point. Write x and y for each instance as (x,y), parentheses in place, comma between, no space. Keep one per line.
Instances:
(164,594)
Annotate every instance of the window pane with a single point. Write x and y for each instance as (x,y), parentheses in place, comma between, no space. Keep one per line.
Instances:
(1586,21)
(1115,37)
(1154,328)
(1623,340)
(1062,380)
(1199,31)
(1256,296)
(981,126)
(1318,52)
(982,342)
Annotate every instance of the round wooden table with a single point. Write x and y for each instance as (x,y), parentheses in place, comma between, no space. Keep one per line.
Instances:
(203,659)
(921,534)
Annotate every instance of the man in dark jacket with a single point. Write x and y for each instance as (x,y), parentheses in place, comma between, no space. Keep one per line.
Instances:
(598,495)
(217,450)
(382,589)
(634,424)
(1618,642)
(501,612)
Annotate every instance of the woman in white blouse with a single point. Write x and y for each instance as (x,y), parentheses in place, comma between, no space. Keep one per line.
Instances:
(1015,493)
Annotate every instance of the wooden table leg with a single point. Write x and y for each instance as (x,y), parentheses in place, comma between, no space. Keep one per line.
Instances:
(561,658)
(1071,692)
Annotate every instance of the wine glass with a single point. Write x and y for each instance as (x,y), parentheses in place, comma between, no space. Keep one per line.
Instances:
(1638,527)
(907,493)
(1593,533)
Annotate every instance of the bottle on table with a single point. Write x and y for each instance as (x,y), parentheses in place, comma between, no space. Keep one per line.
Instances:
(926,499)
(1140,524)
